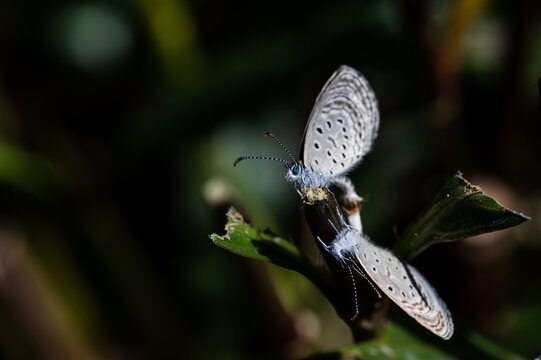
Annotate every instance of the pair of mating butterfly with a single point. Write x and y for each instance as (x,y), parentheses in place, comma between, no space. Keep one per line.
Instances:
(340,131)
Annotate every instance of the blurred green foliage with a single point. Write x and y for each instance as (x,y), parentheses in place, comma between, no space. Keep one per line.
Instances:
(119,123)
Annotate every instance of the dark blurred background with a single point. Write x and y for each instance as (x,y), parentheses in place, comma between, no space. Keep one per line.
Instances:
(119,124)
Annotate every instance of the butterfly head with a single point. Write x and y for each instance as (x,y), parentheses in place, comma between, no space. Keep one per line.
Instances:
(295,172)
(345,243)
(294,168)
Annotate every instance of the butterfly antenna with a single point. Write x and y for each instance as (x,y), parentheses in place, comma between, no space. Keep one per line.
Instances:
(259,158)
(269,134)
(354,294)
(361,271)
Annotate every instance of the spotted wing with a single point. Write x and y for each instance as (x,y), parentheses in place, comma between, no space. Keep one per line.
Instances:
(404,285)
(343,124)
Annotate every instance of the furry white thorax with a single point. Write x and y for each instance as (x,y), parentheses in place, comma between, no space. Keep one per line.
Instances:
(347,243)
(304,177)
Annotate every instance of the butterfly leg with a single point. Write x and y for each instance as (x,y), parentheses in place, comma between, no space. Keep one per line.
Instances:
(333,226)
(325,246)
(298,191)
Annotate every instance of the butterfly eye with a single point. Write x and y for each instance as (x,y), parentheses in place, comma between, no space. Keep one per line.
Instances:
(296,169)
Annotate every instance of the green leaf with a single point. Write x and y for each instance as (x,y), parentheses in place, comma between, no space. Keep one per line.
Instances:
(458,211)
(243,239)
(490,348)
(396,344)
(399,343)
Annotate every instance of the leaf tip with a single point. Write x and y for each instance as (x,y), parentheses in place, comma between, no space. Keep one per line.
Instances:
(215,238)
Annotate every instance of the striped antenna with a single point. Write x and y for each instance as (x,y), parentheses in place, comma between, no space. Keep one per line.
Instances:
(269,134)
(361,271)
(259,158)
(354,317)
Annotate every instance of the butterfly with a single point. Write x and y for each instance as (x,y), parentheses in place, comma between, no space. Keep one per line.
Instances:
(340,131)
(401,282)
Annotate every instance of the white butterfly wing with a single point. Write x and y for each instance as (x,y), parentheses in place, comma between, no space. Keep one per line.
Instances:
(343,124)
(405,286)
